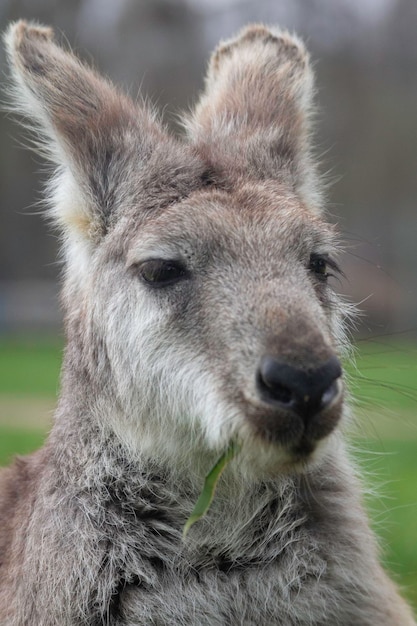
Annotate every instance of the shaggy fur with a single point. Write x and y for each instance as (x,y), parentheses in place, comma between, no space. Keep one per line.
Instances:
(157,379)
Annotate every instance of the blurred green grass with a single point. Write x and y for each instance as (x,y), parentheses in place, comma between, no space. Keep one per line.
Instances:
(18,441)
(30,365)
(384,374)
(383,381)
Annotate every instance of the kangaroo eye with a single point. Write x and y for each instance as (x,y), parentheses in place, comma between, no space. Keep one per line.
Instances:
(161,273)
(318,265)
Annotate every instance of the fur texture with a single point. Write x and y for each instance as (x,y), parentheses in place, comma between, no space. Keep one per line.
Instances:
(158,376)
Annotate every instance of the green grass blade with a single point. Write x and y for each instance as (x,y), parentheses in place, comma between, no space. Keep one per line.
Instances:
(206,496)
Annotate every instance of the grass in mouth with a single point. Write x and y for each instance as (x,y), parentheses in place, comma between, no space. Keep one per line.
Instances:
(210,483)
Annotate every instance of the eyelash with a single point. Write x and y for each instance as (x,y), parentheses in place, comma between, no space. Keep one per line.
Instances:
(319,265)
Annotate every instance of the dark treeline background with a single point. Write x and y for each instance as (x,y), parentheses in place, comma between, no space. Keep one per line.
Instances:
(365,56)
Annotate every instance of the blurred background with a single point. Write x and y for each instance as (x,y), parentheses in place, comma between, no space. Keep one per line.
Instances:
(365,59)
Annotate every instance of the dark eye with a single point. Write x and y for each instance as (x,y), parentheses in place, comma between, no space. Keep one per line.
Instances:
(320,265)
(161,273)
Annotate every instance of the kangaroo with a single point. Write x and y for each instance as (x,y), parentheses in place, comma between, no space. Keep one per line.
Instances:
(197,312)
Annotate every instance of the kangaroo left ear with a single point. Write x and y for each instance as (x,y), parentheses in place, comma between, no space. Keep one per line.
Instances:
(254,113)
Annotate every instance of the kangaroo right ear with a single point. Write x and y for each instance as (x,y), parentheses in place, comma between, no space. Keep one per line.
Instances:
(254,113)
(84,125)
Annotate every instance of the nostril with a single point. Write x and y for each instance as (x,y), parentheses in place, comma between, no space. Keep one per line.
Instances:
(274,391)
(275,374)
(330,394)
(274,383)
(282,394)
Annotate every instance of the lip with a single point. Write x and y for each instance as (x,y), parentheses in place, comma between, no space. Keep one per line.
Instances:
(288,430)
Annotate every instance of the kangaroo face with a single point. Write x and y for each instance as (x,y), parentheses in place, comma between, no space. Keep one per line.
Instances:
(225,320)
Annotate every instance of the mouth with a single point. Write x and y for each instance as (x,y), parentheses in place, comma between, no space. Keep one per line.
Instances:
(297,435)
(303,449)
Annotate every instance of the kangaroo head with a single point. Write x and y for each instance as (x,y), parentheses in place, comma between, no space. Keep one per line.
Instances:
(196,295)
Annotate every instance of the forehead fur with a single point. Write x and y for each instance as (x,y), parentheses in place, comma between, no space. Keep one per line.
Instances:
(266,214)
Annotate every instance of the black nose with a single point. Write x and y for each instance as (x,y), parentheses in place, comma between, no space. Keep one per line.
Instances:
(306,392)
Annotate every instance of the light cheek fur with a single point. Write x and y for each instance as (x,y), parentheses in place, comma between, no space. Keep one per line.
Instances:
(166,389)
(156,383)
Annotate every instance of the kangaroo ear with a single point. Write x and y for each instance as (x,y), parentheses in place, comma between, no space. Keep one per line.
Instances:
(254,113)
(84,125)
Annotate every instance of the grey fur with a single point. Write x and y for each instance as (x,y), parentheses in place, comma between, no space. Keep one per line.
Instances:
(157,381)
